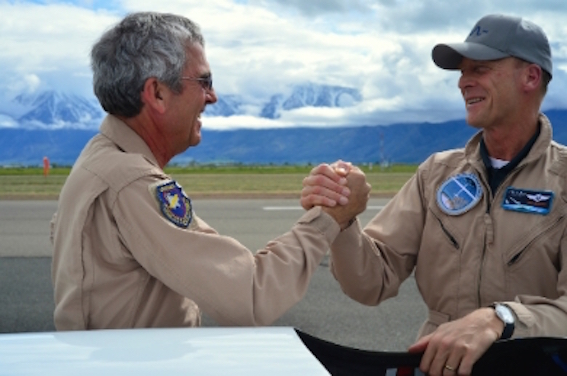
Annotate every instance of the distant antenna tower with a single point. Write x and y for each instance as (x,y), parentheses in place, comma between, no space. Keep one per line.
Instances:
(383,162)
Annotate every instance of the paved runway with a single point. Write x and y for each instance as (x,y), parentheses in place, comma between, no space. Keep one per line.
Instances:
(26,293)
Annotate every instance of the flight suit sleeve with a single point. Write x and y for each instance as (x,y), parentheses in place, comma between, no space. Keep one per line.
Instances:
(371,263)
(228,282)
(541,316)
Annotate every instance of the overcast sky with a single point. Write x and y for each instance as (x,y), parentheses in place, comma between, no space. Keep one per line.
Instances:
(257,48)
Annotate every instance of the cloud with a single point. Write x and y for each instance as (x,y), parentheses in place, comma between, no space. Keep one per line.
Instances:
(50,42)
(258,48)
(317,7)
(7,122)
(27,83)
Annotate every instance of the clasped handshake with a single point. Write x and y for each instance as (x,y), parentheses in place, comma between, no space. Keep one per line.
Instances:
(339,188)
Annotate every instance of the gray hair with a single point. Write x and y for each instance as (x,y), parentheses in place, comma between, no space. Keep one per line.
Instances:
(142,45)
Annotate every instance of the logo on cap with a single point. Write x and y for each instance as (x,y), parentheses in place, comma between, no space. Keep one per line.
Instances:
(459,194)
(477,31)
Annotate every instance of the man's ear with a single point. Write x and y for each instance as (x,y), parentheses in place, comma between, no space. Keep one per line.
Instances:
(533,77)
(154,94)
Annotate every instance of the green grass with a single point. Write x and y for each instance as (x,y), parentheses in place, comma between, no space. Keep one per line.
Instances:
(206,181)
(32,171)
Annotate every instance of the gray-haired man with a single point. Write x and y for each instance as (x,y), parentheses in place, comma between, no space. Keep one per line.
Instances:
(129,251)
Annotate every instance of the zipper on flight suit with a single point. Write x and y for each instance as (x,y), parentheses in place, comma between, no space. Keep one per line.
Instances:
(487,221)
(518,255)
(486,240)
(451,237)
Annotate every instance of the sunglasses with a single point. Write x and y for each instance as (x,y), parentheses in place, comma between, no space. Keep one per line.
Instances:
(206,82)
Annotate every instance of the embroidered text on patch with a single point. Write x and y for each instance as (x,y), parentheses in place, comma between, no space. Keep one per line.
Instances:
(174,204)
(527,201)
(459,193)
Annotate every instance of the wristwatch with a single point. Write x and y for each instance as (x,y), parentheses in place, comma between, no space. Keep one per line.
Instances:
(504,313)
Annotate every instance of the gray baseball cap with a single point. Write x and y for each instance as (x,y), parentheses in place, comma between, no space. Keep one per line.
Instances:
(495,37)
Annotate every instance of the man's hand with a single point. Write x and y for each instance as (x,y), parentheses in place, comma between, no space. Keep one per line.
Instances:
(455,346)
(358,199)
(326,185)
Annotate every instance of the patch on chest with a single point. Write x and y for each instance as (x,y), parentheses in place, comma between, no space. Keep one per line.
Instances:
(174,203)
(527,201)
(459,194)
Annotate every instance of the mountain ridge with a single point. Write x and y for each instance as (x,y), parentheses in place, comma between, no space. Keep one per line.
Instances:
(54,109)
(58,125)
(398,143)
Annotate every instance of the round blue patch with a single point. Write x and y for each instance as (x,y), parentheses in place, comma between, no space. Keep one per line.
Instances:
(459,193)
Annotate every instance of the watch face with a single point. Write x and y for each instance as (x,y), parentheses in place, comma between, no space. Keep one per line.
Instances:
(504,313)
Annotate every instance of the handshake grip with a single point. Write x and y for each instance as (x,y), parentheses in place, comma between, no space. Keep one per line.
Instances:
(357,200)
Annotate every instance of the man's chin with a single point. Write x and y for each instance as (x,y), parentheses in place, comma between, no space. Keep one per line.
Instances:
(473,122)
(196,139)
(195,135)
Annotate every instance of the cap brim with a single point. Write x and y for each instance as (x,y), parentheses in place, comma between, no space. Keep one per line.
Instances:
(449,56)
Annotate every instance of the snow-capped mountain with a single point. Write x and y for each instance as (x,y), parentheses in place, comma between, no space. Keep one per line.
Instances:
(311,95)
(227,105)
(54,109)
(307,95)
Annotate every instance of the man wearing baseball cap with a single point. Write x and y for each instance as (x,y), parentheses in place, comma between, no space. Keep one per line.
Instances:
(496,37)
(484,228)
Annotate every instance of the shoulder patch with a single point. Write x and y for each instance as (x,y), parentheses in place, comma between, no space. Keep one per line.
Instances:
(459,194)
(174,203)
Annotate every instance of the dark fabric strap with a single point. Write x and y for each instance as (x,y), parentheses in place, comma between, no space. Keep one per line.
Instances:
(519,357)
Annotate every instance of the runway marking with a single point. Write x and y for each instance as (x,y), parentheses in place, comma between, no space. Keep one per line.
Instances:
(283,208)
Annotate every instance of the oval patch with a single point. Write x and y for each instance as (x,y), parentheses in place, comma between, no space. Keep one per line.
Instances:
(459,194)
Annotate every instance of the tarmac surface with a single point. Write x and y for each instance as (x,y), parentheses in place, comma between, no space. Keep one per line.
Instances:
(26,293)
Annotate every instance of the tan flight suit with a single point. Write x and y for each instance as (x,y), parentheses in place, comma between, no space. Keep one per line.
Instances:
(464,261)
(130,252)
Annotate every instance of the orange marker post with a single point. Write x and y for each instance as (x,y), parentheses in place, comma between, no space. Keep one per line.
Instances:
(45,166)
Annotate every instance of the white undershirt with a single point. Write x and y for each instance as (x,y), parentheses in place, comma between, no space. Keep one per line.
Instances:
(498,163)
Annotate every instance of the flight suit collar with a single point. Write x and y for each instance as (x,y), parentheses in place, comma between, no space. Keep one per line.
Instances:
(473,154)
(497,175)
(125,137)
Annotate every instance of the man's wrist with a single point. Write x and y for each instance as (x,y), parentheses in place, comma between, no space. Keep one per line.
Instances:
(348,224)
(338,214)
(506,315)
